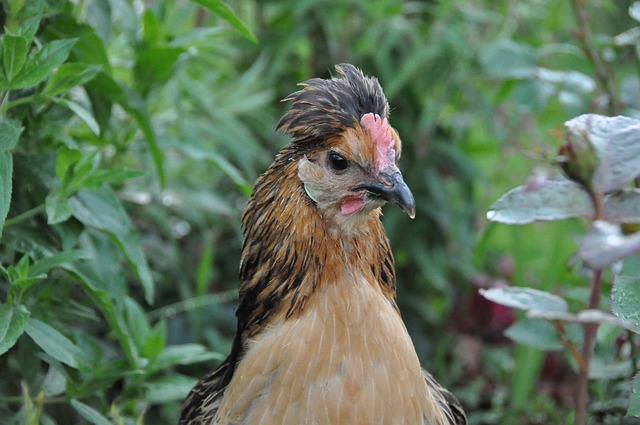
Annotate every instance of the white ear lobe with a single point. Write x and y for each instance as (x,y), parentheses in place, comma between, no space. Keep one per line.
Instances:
(309,172)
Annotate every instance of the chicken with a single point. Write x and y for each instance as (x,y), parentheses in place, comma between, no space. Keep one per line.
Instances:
(320,339)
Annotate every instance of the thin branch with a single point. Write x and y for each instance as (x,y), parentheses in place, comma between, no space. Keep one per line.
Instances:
(573,349)
(590,330)
(24,216)
(602,71)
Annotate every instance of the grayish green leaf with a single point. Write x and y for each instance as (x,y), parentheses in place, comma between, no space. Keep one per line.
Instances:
(616,141)
(13,320)
(221,9)
(508,59)
(553,200)
(605,244)
(55,344)
(89,413)
(622,206)
(39,66)
(14,54)
(539,334)
(70,75)
(634,401)
(625,301)
(102,210)
(634,10)
(585,316)
(528,299)
(569,80)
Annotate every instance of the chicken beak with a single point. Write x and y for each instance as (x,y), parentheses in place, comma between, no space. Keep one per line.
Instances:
(392,188)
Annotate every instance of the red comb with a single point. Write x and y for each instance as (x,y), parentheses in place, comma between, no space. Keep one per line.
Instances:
(382,138)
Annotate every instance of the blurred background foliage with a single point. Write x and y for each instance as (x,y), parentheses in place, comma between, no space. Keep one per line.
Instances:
(132,132)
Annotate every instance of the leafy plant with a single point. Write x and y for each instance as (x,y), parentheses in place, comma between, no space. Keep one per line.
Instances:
(600,158)
(76,131)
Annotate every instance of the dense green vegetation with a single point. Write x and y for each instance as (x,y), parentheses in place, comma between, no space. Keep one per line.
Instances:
(131,133)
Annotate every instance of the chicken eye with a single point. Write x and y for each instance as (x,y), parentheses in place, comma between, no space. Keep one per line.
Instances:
(338,162)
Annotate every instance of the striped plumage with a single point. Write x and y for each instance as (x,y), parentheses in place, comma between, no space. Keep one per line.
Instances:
(320,339)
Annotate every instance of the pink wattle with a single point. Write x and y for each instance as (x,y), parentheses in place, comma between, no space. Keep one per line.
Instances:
(352,205)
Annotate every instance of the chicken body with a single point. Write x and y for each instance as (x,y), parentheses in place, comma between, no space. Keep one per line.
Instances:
(320,339)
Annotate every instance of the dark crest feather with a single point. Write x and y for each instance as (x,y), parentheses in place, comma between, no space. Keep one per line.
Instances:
(325,107)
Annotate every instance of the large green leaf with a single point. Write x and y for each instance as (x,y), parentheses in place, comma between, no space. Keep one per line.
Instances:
(90,414)
(553,200)
(106,90)
(536,333)
(155,65)
(13,320)
(14,54)
(102,210)
(9,134)
(55,344)
(70,75)
(221,9)
(39,66)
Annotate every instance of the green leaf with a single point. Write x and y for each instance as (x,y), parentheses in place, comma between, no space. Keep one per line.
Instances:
(13,320)
(221,9)
(625,301)
(89,48)
(81,113)
(14,54)
(111,176)
(528,299)
(155,65)
(605,244)
(9,134)
(108,90)
(40,65)
(89,413)
(29,28)
(536,333)
(102,210)
(184,354)
(52,342)
(634,400)
(137,322)
(70,75)
(57,207)
(6,173)
(169,388)
(553,200)
(57,260)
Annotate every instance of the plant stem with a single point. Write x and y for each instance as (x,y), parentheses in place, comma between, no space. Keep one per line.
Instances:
(590,330)
(570,345)
(25,215)
(602,71)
